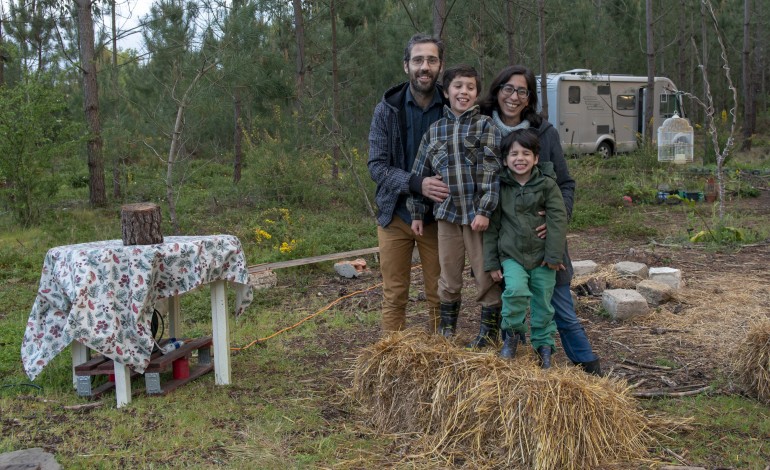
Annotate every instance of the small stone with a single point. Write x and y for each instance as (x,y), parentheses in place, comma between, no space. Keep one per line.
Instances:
(585,267)
(35,458)
(346,269)
(656,293)
(623,304)
(669,276)
(631,269)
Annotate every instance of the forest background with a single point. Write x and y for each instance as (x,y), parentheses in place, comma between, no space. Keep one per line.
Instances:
(280,85)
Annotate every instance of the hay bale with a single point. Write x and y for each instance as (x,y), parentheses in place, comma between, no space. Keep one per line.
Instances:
(474,407)
(752,361)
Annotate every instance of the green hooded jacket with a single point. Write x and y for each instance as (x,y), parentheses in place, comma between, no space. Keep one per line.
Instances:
(511,233)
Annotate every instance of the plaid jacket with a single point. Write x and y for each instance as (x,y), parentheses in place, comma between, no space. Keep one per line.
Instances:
(387,153)
(464,150)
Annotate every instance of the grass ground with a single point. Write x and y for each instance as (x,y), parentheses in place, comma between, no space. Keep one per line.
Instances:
(287,407)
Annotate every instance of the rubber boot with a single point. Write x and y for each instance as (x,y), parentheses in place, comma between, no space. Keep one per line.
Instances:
(489,329)
(594,367)
(510,344)
(545,356)
(449,313)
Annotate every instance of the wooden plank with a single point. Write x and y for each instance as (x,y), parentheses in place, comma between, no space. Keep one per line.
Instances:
(173,384)
(92,366)
(313,259)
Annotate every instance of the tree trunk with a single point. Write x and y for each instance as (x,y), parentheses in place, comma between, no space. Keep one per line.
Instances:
(117,160)
(439,18)
(749,108)
(650,101)
(299,34)
(681,40)
(543,64)
(705,64)
(509,32)
(97,195)
(760,46)
(176,144)
(141,224)
(238,137)
(2,51)
(335,96)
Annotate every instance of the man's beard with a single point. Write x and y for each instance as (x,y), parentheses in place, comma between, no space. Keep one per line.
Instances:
(416,85)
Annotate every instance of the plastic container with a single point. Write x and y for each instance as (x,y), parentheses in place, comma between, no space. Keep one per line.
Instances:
(172,345)
(181,368)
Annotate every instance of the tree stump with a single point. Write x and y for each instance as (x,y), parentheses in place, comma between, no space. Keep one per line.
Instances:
(140,224)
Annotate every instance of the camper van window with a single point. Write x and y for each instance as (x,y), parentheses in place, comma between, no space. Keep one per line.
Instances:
(626,102)
(574,95)
(603,90)
(667,105)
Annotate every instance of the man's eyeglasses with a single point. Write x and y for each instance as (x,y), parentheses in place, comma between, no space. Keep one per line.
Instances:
(508,90)
(417,61)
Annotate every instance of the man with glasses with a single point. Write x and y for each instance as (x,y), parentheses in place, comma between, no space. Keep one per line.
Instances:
(406,111)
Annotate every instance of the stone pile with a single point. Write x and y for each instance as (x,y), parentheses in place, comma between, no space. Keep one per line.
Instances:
(653,287)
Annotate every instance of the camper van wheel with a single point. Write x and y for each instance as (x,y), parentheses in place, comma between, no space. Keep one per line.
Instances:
(604,149)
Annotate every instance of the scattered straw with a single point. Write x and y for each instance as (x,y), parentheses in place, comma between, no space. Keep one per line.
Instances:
(472,407)
(752,361)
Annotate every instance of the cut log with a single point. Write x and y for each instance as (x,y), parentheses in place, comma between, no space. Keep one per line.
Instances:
(140,224)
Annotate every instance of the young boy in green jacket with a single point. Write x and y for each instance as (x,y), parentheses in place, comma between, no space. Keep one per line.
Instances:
(512,248)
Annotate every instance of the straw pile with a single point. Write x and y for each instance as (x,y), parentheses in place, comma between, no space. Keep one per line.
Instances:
(752,361)
(473,407)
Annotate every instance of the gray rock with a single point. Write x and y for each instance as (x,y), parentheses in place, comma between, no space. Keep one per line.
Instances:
(345,269)
(631,269)
(35,458)
(623,304)
(656,293)
(670,276)
(585,267)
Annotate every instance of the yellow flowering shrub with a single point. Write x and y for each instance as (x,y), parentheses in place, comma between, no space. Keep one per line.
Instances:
(276,230)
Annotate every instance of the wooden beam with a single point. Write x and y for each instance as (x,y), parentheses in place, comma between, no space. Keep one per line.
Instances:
(313,259)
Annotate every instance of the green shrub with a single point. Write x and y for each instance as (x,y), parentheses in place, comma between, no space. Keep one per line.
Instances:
(35,130)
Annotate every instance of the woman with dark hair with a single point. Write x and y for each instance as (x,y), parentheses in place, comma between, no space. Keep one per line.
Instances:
(512,104)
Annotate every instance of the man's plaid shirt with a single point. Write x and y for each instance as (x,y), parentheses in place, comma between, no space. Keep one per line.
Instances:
(464,150)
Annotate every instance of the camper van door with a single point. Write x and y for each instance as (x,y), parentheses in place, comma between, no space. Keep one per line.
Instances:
(572,114)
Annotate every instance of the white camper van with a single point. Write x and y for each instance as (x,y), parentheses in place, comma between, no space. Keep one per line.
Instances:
(605,113)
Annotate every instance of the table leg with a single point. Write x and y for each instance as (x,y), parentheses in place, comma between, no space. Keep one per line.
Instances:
(220,321)
(79,356)
(122,384)
(174,322)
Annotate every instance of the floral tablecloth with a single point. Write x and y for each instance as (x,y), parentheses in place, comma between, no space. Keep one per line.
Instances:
(103,294)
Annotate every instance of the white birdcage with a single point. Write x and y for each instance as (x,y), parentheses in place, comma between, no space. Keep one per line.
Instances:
(675,141)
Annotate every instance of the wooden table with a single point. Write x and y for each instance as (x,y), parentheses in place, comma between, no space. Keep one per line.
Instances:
(101,296)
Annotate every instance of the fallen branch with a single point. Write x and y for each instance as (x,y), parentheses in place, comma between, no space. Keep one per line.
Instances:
(676,456)
(621,344)
(637,384)
(646,366)
(664,393)
(84,406)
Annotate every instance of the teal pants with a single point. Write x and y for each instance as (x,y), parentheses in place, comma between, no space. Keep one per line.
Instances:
(529,288)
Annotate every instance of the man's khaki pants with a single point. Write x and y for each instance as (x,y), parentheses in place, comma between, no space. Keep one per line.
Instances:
(396,245)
